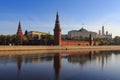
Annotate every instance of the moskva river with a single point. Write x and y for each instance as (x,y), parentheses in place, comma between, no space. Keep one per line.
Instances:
(75,65)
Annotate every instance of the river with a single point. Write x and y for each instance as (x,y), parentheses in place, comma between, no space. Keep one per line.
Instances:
(76,65)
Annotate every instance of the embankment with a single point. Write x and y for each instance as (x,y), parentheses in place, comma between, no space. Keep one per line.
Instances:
(34,48)
(24,50)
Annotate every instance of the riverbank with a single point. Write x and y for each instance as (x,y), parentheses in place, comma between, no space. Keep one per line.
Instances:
(34,48)
(25,50)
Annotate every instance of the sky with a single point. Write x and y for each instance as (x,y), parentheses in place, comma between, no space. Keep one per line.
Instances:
(39,15)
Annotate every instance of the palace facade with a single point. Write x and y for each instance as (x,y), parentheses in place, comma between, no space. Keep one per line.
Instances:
(35,35)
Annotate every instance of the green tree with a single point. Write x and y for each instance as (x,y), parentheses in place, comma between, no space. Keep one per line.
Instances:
(26,32)
(116,40)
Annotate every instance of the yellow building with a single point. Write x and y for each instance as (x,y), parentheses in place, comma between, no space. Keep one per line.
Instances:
(35,34)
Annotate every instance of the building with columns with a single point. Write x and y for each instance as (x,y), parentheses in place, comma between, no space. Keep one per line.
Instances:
(77,34)
(35,35)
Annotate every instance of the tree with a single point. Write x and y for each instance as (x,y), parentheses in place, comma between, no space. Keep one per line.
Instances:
(26,32)
(116,40)
(103,41)
(47,36)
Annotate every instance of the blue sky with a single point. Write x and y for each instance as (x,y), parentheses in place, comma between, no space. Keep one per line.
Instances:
(40,15)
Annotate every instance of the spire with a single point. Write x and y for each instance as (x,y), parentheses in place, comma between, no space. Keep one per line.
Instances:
(57,31)
(19,31)
(57,18)
(57,23)
(19,25)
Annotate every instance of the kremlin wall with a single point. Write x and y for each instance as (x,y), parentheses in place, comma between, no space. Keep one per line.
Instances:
(58,37)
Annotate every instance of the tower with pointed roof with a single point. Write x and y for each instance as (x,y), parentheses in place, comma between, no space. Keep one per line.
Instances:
(19,32)
(57,31)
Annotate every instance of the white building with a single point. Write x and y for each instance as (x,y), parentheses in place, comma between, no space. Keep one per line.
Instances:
(76,34)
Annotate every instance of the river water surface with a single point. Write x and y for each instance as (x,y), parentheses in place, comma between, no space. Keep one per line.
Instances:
(77,65)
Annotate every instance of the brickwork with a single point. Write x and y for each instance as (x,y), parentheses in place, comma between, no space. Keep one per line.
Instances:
(70,42)
(57,32)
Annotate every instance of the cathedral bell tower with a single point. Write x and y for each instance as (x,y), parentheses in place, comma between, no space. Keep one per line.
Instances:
(57,31)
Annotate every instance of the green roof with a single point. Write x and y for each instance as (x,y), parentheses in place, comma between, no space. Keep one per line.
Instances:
(83,30)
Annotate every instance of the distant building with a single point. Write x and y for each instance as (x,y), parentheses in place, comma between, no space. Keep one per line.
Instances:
(76,34)
(35,35)
(103,32)
(107,35)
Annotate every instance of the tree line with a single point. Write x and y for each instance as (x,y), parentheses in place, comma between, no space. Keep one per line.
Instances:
(10,40)
(16,40)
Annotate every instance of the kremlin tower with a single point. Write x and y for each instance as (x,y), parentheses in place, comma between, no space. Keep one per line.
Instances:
(57,31)
(20,33)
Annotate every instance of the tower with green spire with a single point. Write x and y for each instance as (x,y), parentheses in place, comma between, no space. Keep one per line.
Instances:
(57,31)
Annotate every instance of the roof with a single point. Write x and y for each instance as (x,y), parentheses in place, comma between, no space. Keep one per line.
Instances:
(83,30)
(38,32)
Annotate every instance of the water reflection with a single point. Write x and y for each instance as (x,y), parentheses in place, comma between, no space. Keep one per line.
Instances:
(38,58)
(39,65)
(19,62)
(57,65)
(83,58)
(19,65)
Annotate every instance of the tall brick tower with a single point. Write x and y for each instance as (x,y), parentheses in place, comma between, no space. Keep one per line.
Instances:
(19,31)
(57,31)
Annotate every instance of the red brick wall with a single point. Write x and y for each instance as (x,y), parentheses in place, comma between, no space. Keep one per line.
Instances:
(70,42)
(81,43)
(96,43)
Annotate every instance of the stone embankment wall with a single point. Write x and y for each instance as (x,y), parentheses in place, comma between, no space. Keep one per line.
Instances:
(33,48)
